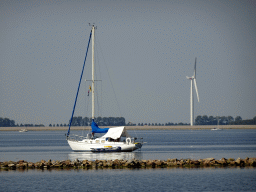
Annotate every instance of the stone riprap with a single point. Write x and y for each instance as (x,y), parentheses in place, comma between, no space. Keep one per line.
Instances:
(119,164)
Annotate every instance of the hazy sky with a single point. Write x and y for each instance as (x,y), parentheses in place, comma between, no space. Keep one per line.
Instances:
(146,50)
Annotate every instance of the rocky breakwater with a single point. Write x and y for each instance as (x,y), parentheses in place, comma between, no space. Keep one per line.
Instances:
(119,164)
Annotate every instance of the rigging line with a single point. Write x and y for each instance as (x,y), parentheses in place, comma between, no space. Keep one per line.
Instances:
(88,104)
(79,85)
(97,68)
(97,97)
(111,82)
(98,61)
(99,105)
(86,110)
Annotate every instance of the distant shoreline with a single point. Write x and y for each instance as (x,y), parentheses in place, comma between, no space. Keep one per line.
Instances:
(177,127)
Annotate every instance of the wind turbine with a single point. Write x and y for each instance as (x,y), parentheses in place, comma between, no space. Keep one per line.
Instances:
(193,79)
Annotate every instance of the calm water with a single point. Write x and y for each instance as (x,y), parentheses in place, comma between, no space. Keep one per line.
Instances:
(36,145)
(175,179)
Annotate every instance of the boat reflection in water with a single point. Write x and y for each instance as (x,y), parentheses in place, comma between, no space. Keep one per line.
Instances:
(104,156)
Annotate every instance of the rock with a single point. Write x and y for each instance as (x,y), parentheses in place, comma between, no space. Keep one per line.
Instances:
(68,163)
(149,162)
(100,164)
(12,166)
(209,159)
(31,165)
(223,161)
(4,164)
(238,161)
(195,162)
(200,160)
(116,162)
(43,161)
(232,163)
(206,162)
(39,165)
(171,160)
(214,162)
(109,163)
(137,163)
(252,162)
(230,160)
(158,163)
(57,164)
(123,162)
(246,161)
(46,166)
(188,161)
(20,166)
(180,163)
(143,163)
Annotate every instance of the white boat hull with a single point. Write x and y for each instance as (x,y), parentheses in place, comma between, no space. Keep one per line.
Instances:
(84,145)
(23,130)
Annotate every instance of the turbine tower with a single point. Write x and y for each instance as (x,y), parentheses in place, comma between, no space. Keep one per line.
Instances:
(193,79)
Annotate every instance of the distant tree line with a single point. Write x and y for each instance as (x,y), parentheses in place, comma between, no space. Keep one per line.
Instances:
(6,122)
(120,121)
(160,124)
(58,125)
(101,121)
(223,120)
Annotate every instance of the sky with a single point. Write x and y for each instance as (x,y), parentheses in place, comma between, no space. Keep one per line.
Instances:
(144,51)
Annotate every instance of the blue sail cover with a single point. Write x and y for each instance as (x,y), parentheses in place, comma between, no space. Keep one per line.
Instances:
(96,129)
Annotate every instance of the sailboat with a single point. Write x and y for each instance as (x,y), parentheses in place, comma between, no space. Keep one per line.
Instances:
(115,139)
(216,128)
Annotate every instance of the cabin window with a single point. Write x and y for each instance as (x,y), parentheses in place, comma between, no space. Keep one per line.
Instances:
(97,141)
(102,141)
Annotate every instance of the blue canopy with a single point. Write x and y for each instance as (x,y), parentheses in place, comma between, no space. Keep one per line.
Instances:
(96,129)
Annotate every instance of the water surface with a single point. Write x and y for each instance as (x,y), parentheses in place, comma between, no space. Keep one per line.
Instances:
(173,179)
(194,144)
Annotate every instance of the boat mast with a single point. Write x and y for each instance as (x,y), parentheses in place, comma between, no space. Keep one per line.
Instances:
(93,31)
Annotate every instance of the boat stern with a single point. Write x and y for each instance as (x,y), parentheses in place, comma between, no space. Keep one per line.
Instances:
(138,145)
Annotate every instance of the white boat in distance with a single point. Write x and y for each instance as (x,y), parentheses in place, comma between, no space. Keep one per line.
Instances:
(216,128)
(23,130)
(115,139)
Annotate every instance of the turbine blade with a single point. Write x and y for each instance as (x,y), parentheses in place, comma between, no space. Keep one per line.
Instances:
(195,69)
(196,90)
